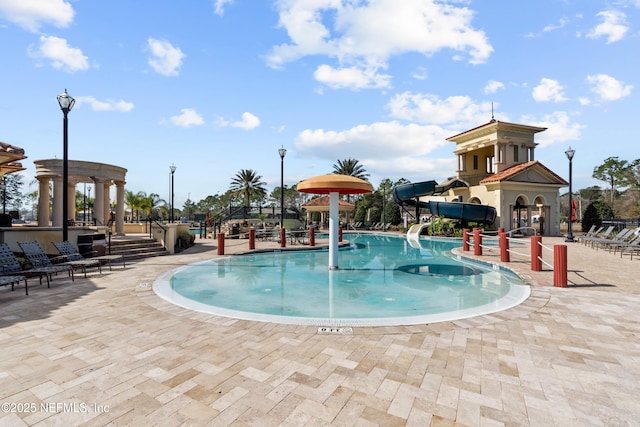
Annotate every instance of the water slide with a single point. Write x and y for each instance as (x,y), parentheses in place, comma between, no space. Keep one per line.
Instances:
(409,194)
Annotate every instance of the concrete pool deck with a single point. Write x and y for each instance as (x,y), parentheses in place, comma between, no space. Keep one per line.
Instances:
(107,351)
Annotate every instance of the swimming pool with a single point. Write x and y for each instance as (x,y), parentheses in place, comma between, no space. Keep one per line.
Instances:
(382,280)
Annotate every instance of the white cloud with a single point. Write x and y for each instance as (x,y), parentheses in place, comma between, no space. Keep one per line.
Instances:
(31,14)
(608,88)
(614,26)
(421,73)
(372,141)
(559,126)
(456,111)
(108,105)
(548,90)
(553,27)
(165,59)
(493,86)
(383,148)
(188,118)
(248,122)
(351,78)
(60,54)
(343,30)
(218,6)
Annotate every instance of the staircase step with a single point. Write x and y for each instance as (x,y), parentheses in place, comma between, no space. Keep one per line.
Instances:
(137,248)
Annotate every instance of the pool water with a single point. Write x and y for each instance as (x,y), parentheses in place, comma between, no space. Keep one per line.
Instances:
(382,280)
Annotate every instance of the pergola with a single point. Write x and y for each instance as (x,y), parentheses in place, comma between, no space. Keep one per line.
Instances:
(10,157)
(101,175)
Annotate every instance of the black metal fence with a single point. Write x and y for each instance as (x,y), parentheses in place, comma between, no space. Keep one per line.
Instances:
(621,224)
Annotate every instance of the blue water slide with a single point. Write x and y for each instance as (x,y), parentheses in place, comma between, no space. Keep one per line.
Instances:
(408,195)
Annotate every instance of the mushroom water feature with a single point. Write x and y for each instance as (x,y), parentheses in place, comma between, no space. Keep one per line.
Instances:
(334,185)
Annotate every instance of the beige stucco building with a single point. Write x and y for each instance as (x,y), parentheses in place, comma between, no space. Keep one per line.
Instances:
(497,162)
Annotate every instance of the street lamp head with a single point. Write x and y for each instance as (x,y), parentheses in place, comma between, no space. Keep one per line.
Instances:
(172,168)
(282,151)
(66,102)
(570,152)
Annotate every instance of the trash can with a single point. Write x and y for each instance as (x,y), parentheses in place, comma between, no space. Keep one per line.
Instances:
(90,245)
(235,231)
(85,245)
(99,244)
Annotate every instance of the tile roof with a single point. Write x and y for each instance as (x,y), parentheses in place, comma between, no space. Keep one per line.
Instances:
(324,201)
(11,149)
(519,168)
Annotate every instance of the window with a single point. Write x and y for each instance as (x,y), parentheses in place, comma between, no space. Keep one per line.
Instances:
(475,162)
(515,153)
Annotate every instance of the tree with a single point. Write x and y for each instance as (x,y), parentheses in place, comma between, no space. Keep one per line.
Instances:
(248,184)
(595,213)
(591,193)
(633,174)
(350,167)
(150,203)
(134,201)
(614,172)
(12,196)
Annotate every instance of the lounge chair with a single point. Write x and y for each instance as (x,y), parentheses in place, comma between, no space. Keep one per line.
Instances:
(12,269)
(624,238)
(14,280)
(589,233)
(40,260)
(631,248)
(604,242)
(603,235)
(72,257)
(68,251)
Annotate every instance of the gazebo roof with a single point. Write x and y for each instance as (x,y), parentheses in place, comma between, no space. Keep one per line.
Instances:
(10,157)
(321,204)
(335,183)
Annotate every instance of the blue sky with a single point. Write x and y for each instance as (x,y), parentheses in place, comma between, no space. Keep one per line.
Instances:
(217,86)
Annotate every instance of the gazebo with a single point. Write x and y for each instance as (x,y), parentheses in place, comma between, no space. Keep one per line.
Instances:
(321,204)
(334,185)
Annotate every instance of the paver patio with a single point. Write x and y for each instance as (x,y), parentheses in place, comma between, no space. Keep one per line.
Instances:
(107,351)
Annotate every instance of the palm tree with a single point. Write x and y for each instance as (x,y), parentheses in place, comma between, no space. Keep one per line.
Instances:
(151,202)
(351,167)
(134,201)
(249,184)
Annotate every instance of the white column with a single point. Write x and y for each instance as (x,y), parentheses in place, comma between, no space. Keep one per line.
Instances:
(107,199)
(98,201)
(71,201)
(43,201)
(334,221)
(57,202)
(120,208)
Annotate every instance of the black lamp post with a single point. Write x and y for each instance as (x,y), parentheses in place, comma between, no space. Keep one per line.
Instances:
(282,153)
(90,211)
(66,104)
(173,170)
(570,152)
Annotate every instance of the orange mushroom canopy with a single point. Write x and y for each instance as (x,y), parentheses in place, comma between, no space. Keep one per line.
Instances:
(335,183)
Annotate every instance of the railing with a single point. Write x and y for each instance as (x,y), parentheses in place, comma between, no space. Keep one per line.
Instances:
(162,227)
(559,265)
